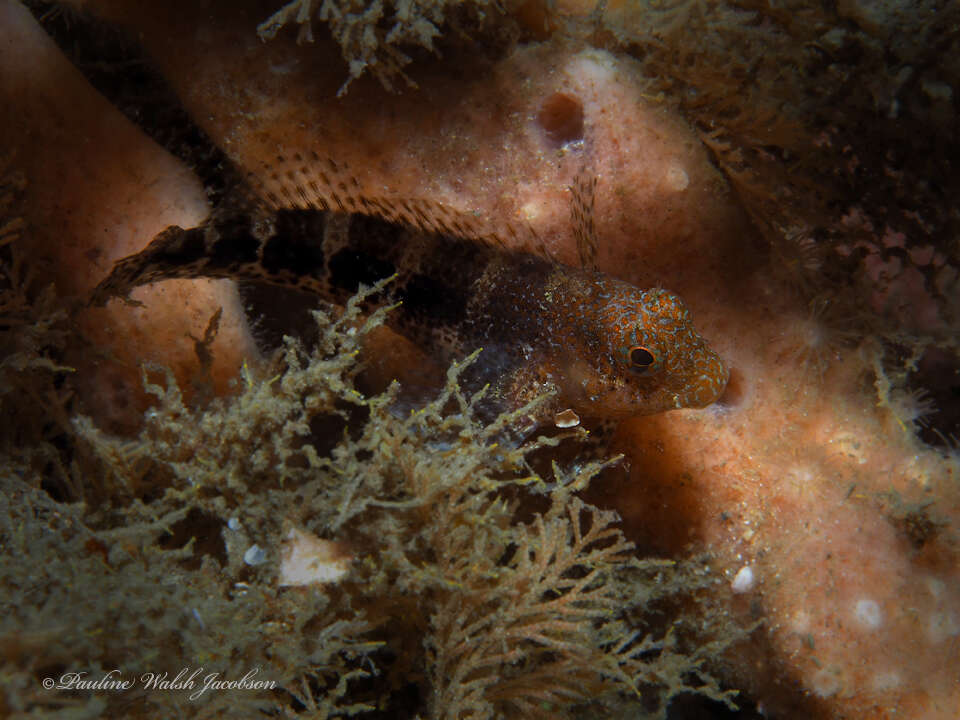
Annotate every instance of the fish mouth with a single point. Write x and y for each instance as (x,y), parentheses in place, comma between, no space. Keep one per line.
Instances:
(698,384)
(707,384)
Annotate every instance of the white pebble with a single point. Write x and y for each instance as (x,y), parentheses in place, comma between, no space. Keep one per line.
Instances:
(566,419)
(743,581)
(306,559)
(254,555)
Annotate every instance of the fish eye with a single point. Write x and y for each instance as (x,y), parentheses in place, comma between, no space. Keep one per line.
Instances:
(641,358)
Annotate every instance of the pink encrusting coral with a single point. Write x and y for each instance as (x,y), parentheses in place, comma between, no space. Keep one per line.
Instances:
(834,524)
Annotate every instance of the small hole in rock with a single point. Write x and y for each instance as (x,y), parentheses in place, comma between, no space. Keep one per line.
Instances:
(561,117)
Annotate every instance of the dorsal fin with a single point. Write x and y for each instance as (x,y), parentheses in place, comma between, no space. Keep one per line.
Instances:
(310,181)
(582,193)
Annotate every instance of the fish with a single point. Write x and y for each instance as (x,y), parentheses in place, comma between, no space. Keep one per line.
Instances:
(600,346)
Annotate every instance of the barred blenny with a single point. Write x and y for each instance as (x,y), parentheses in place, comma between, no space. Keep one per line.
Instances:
(608,349)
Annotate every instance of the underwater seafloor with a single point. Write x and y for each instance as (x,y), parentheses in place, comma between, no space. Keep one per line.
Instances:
(210,506)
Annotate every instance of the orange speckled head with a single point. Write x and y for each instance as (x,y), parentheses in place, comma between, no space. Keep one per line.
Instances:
(655,359)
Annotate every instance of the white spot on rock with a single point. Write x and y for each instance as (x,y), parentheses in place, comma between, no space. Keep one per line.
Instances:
(885,681)
(800,622)
(867,614)
(825,683)
(942,625)
(935,586)
(530,210)
(677,178)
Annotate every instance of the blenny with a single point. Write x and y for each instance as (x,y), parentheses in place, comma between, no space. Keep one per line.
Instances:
(608,349)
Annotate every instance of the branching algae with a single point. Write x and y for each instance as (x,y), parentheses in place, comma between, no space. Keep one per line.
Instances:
(476,586)
(373,35)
